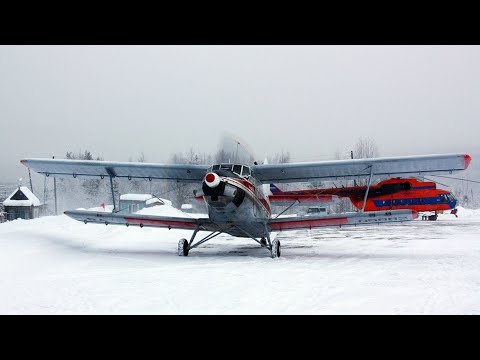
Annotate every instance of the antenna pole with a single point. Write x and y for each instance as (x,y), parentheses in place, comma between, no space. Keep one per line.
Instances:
(55,191)
(351,157)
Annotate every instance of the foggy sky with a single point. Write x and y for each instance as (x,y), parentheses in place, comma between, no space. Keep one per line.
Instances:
(120,101)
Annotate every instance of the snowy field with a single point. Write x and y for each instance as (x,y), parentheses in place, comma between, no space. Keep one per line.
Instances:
(55,265)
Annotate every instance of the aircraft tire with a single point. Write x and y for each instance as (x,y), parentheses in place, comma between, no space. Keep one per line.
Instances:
(183,247)
(275,249)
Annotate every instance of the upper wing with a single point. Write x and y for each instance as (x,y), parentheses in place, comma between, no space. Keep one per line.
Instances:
(371,217)
(169,222)
(344,169)
(82,168)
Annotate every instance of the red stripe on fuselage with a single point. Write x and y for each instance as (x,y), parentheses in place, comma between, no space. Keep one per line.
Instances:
(305,224)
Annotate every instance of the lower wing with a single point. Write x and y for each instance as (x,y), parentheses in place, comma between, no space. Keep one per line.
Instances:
(310,222)
(108,218)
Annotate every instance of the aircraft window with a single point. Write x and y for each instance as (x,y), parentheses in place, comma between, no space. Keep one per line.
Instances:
(237,169)
(226,167)
(215,167)
(245,171)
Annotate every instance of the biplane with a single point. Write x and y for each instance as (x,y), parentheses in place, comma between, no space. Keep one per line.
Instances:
(236,195)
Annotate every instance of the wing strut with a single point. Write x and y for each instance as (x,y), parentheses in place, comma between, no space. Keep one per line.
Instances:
(368,188)
(111,175)
(295,202)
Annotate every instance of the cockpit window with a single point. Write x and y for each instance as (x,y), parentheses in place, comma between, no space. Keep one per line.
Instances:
(229,170)
(226,167)
(245,171)
(451,197)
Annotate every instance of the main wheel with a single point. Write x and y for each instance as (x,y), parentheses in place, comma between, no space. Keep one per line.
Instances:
(183,247)
(275,249)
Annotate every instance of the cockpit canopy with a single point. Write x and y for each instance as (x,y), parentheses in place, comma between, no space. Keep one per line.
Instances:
(231,170)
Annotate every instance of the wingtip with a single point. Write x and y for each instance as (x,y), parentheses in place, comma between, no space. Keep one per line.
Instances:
(23,162)
(468,158)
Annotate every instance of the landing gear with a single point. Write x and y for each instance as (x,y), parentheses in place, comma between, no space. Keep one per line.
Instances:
(183,247)
(275,250)
(430,217)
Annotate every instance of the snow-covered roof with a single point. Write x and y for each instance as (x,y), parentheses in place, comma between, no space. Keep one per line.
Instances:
(166,202)
(29,198)
(150,199)
(136,197)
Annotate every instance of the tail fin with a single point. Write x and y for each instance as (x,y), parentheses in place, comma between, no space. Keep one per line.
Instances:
(275,190)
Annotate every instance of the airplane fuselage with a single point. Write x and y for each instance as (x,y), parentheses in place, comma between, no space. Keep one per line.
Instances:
(236,201)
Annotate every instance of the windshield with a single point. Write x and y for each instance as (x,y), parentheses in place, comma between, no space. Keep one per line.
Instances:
(231,170)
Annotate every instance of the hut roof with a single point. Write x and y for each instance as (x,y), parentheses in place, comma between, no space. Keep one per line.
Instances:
(22,196)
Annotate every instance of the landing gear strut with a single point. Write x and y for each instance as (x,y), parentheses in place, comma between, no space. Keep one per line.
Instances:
(185,246)
(273,246)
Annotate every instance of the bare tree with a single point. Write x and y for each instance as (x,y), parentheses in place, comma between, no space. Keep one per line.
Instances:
(281,158)
(182,193)
(365,148)
(73,193)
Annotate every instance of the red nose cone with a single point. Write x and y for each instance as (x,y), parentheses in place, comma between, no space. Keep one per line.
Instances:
(210,178)
(468,158)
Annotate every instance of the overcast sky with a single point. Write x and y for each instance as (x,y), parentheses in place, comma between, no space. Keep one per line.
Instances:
(120,101)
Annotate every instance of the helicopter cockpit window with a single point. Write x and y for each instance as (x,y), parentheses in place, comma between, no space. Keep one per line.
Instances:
(450,197)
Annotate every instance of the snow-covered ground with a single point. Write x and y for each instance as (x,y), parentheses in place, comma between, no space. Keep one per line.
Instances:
(55,265)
